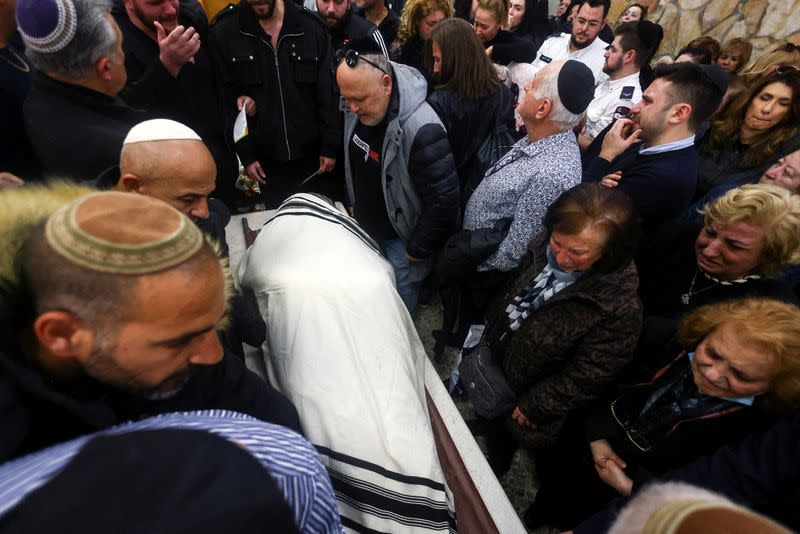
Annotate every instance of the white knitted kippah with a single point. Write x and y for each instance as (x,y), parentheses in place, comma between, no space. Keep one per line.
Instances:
(160,130)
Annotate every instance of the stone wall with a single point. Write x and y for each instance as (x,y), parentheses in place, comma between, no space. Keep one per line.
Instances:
(763,22)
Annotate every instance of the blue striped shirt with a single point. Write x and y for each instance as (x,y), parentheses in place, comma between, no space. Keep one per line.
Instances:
(293,463)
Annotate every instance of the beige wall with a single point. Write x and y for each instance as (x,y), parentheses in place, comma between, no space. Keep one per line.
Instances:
(763,22)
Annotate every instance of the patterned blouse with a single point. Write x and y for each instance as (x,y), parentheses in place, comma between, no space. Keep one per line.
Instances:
(522,185)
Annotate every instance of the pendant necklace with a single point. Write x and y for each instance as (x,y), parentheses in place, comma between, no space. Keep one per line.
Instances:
(22,66)
(688,295)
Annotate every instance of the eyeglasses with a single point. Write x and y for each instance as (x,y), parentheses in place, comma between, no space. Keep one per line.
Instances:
(634,436)
(351,57)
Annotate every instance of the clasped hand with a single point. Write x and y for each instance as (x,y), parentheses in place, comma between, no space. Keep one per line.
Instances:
(610,467)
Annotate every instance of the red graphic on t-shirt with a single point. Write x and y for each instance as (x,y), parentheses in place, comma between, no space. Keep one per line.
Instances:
(375,156)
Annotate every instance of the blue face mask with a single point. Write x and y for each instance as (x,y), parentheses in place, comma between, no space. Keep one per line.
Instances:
(747,401)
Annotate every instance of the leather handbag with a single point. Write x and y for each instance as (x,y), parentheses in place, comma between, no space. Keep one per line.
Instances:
(485,383)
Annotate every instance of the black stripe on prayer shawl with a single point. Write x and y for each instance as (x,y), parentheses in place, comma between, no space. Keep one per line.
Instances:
(323,217)
(363,464)
(388,509)
(369,486)
(327,208)
(358,527)
(328,215)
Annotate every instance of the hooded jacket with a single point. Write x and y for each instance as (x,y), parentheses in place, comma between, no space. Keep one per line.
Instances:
(418,172)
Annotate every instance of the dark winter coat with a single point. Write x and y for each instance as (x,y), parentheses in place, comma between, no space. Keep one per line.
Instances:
(353,29)
(193,98)
(297,107)
(759,472)
(535,24)
(76,132)
(661,185)
(570,349)
(687,439)
(469,123)
(412,53)
(388,26)
(418,174)
(724,167)
(509,47)
(35,414)
(667,265)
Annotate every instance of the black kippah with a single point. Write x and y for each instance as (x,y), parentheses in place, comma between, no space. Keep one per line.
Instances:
(650,34)
(717,76)
(575,86)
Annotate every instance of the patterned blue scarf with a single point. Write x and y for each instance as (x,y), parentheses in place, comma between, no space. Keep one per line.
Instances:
(550,281)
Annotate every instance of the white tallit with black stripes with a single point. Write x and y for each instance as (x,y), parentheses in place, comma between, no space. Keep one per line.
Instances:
(341,345)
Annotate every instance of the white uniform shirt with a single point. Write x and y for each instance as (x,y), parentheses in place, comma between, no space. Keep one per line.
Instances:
(557,48)
(607,95)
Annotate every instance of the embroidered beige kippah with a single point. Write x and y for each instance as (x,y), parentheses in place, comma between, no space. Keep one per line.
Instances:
(122,233)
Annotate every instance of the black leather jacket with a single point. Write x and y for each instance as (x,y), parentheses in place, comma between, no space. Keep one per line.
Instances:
(297,113)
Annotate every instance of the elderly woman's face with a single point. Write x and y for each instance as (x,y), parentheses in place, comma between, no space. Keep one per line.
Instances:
(730,251)
(726,365)
(577,252)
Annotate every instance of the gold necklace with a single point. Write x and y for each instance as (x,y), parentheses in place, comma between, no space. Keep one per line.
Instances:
(24,68)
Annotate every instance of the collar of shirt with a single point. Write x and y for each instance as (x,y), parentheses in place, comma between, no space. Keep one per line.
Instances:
(668,147)
(747,401)
(534,148)
(611,85)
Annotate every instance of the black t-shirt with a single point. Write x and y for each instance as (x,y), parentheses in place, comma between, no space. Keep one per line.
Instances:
(366,160)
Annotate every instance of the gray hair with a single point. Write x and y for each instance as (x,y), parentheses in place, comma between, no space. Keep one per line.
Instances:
(94,38)
(378,59)
(548,88)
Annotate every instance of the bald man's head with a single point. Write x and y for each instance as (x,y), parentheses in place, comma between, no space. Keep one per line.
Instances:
(181,172)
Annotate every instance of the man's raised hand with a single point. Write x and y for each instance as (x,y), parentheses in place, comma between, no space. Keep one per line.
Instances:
(177,48)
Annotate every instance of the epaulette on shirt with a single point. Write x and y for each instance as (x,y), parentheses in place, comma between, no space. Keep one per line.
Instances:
(224,12)
(627,92)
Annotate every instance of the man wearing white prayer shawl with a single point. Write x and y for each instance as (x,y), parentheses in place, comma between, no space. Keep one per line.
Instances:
(342,346)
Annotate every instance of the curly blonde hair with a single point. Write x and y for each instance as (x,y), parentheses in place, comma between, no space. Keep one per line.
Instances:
(767,205)
(416,10)
(771,325)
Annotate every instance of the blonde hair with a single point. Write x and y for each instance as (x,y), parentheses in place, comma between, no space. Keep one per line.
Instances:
(743,47)
(767,205)
(21,210)
(771,325)
(498,7)
(777,54)
(416,10)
